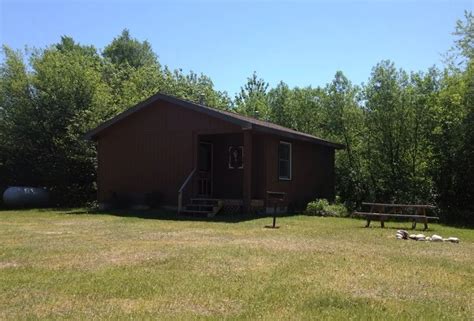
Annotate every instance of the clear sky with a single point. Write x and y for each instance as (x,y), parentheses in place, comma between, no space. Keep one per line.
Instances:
(300,42)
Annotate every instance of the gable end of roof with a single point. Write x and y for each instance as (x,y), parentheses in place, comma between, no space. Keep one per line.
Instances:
(237,119)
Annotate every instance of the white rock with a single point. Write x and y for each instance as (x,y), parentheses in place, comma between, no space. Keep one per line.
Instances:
(419,236)
(403,233)
(412,236)
(453,239)
(436,238)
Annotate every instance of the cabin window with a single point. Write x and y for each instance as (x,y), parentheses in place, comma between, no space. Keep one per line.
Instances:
(284,161)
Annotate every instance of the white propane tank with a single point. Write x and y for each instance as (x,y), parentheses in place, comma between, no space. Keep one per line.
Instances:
(20,196)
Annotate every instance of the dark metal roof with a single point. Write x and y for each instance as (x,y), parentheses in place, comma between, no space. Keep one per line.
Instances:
(237,119)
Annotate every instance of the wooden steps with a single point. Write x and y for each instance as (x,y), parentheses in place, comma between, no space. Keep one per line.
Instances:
(204,206)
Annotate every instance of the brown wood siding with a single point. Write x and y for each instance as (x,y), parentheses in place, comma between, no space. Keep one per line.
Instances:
(312,171)
(153,150)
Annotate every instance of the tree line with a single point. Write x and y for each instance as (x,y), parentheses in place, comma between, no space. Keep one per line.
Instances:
(409,136)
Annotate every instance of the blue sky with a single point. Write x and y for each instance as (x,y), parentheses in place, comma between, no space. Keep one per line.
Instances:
(300,42)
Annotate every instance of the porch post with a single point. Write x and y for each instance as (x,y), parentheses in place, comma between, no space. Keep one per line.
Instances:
(195,158)
(247,179)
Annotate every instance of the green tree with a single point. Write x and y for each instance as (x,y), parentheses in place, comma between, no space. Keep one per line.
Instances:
(387,119)
(345,123)
(45,116)
(452,169)
(447,140)
(71,98)
(307,111)
(463,50)
(252,99)
(464,175)
(279,101)
(195,88)
(127,50)
(133,72)
(131,69)
(131,85)
(422,94)
(298,108)
(67,44)
(16,117)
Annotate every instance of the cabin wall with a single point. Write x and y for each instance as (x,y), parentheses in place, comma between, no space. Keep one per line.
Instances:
(153,150)
(312,172)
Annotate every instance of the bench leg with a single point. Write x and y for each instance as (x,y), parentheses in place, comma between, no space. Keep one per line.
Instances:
(382,223)
(413,225)
(368,223)
(425,220)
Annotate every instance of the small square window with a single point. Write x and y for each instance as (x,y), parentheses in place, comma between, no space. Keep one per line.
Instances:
(284,161)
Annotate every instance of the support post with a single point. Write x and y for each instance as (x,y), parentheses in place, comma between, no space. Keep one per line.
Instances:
(247,179)
(425,219)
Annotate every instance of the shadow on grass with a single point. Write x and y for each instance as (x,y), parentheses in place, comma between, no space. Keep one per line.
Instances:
(159,214)
(394,224)
(398,227)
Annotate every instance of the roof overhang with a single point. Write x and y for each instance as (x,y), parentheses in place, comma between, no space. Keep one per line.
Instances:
(305,138)
(245,124)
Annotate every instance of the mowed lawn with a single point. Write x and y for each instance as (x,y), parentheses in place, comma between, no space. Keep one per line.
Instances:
(73,265)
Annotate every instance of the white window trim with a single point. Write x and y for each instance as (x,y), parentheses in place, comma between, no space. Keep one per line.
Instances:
(283,178)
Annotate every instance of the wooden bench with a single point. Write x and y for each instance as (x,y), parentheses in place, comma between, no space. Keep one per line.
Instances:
(383,211)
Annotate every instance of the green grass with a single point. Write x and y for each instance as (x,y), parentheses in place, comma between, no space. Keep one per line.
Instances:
(66,265)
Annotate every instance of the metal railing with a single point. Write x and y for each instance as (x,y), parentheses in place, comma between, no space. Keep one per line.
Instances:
(182,188)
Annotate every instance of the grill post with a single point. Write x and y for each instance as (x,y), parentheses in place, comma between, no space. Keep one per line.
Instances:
(277,199)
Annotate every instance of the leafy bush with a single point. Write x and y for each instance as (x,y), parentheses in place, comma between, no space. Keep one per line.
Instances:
(321,207)
(337,210)
(317,207)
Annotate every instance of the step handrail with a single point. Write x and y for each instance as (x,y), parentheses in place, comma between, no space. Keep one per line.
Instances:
(180,191)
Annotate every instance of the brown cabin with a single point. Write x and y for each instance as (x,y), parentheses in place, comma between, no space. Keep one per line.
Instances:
(194,156)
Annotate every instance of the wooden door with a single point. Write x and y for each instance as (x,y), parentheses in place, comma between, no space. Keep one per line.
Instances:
(205,169)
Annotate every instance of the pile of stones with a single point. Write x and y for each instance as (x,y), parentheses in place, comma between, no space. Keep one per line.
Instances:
(403,235)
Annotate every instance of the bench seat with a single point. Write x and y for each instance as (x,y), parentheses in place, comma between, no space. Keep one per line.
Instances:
(415,218)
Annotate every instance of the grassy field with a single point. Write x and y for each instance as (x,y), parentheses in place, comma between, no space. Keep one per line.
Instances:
(74,265)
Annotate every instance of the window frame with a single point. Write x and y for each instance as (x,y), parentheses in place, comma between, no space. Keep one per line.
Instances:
(241,148)
(290,161)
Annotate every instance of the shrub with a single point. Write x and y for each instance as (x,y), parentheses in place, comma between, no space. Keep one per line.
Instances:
(321,207)
(317,207)
(92,206)
(338,210)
